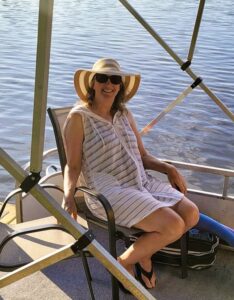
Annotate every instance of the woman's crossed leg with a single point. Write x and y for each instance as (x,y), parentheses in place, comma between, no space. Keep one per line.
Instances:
(161,227)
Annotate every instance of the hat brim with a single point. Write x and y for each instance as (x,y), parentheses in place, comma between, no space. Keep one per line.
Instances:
(83,78)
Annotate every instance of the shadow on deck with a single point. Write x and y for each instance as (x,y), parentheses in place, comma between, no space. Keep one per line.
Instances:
(66,280)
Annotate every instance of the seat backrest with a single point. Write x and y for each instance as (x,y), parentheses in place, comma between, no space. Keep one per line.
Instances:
(58,117)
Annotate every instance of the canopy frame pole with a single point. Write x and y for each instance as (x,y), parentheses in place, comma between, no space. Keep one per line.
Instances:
(41,83)
(176,58)
(76,230)
(196,30)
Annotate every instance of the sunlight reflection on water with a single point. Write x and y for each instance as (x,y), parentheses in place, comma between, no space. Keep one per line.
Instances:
(196,131)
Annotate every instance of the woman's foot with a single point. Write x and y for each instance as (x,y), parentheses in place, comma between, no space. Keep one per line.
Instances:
(146,274)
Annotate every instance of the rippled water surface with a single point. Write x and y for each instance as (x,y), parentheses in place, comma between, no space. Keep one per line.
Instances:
(196,131)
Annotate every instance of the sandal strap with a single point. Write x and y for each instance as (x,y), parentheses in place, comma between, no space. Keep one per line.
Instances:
(144,272)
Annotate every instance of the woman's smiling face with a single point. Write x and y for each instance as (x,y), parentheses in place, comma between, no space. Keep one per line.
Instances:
(105,89)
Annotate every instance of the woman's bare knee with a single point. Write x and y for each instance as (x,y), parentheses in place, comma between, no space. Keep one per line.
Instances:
(188,211)
(164,221)
(194,216)
(176,228)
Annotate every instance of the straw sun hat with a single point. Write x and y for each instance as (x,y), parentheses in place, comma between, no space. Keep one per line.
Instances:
(82,78)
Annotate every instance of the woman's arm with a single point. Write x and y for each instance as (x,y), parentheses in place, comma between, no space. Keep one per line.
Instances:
(73,135)
(152,163)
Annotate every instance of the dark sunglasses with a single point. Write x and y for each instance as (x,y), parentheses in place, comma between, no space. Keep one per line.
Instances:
(103,78)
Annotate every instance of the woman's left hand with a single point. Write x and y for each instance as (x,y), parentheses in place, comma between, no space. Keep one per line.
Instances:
(176,179)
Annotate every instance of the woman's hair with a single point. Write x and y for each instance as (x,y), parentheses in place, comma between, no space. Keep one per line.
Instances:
(118,103)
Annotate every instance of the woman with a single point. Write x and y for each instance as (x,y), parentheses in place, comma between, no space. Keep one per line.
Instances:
(105,151)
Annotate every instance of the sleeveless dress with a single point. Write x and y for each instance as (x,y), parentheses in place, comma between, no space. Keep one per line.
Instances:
(112,165)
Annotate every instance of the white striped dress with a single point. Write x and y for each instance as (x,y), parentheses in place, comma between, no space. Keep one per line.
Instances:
(112,165)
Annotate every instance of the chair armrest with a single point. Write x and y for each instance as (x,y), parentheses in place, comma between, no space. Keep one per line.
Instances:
(105,203)
(109,214)
(38,228)
(19,191)
(20,232)
(51,185)
(7,199)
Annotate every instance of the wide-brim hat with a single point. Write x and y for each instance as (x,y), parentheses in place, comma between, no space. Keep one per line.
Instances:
(83,78)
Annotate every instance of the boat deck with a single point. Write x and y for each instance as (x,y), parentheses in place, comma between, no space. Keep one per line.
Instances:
(66,280)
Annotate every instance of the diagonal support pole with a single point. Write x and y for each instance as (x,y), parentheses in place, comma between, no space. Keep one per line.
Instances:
(75,229)
(37,265)
(176,58)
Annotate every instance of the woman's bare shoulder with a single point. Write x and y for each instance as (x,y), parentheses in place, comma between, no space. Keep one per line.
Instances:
(73,124)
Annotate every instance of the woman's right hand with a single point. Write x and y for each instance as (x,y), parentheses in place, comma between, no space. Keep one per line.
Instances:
(70,206)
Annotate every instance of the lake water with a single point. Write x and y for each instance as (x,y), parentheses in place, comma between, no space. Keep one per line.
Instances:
(196,131)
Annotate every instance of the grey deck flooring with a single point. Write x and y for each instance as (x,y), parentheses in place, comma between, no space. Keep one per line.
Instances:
(66,280)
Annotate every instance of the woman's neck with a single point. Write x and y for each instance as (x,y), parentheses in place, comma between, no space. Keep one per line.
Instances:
(102,111)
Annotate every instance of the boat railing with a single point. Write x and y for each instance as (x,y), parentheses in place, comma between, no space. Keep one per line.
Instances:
(51,171)
(222,172)
(225,173)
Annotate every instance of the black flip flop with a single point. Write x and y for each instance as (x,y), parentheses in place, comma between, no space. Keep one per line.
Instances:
(140,271)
